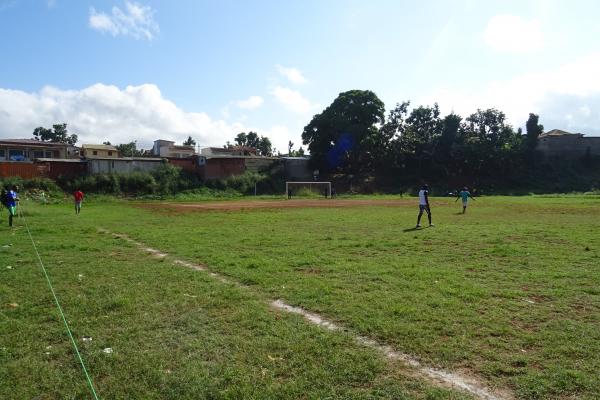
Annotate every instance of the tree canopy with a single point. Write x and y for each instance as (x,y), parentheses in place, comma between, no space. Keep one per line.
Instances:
(57,134)
(129,149)
(189,142)
(346,134)
(262,144)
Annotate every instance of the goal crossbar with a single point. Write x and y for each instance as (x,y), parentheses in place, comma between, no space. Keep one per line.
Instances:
(290,184)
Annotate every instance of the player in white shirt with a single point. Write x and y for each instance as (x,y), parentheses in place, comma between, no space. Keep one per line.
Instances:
(424,205)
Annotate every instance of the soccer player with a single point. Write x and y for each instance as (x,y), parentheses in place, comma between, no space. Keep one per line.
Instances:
(424,205)
(12,198)
(464,194)
(78,197)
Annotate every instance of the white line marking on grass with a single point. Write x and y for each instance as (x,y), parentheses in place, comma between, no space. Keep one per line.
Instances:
(437,376)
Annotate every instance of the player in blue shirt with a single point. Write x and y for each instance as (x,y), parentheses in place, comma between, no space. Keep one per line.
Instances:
(464,195)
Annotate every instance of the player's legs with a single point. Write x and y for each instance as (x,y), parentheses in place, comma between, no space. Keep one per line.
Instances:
(11,212)
(420,215)
(428,215)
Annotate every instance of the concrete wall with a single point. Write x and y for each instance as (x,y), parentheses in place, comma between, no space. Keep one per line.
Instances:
(568,146)
(258,164)
(190,164)
(217,168)
(122,165)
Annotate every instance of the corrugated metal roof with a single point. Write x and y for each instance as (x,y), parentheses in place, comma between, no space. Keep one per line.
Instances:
(125,158)
(32,142)
(558,132)
(70,160)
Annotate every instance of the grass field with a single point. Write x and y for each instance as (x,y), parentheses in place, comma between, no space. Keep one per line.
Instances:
(508,293)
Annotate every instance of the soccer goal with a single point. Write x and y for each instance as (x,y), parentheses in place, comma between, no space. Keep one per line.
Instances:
(308,189)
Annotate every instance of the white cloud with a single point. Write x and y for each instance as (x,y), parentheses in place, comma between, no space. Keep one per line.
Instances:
(513,34)
(136,21)
(250,103)
(104,112)
(566,97)
(292,74)
(293,100)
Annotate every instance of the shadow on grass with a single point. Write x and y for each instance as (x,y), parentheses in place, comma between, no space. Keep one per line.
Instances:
(415,229)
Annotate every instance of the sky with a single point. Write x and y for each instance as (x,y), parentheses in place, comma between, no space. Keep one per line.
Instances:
(127,70)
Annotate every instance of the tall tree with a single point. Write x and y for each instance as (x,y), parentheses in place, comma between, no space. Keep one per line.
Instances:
(129,149)
(290,147)
(252,140)
(58,134)
(189,142)
(346,135)
(241,139)
(534,130)
(264,146)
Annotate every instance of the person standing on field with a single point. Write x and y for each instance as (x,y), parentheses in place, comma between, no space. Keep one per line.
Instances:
(12,198)
(78,197)
(424,205)
(464,194)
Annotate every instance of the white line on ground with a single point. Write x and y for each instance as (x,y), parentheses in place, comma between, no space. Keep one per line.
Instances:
(438,376)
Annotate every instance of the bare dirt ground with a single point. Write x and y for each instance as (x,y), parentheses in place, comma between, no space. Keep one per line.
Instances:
(268,204)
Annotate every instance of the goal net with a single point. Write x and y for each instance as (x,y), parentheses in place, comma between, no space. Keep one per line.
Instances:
(308,189)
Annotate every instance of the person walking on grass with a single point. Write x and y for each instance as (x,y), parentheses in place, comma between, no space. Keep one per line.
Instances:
(424,205)
(78,197)
(12,198)
(464,194)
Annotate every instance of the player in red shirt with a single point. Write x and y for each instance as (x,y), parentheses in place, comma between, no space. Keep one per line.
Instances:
(78,196)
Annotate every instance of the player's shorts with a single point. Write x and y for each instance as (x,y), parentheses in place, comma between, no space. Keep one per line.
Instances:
(464,203)
(78,204)
(423,207)
(12,210)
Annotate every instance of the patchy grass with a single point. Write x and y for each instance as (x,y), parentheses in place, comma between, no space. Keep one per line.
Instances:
(174,333)
(509,292)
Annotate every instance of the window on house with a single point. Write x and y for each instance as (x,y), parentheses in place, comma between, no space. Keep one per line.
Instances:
(38,154)
(110,153)
(95,152)
(2,153)
(48,154)
(17,155)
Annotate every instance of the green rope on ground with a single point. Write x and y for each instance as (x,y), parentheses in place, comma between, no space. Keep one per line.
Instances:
(60,310)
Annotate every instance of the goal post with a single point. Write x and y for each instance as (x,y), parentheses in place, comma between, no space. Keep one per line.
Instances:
(293,188)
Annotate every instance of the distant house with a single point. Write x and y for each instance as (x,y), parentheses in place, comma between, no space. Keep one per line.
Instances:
(562,144)
(168,148)
(99,151)
(30,149)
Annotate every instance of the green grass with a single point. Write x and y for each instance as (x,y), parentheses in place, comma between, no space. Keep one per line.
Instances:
(509,292)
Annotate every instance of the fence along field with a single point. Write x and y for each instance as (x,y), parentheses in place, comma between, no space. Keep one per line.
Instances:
(507,293)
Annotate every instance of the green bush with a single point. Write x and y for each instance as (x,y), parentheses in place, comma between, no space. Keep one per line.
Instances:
(39,189)
(242,183)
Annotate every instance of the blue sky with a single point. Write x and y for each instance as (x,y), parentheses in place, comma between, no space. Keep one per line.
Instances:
(142,70)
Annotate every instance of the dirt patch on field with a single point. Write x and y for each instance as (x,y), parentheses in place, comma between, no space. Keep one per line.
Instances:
(273,204)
